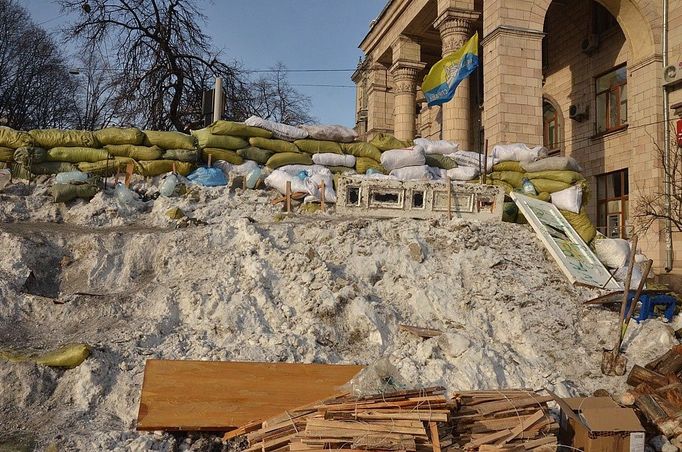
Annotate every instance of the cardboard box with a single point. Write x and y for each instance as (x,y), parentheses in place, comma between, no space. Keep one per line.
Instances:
(598,424)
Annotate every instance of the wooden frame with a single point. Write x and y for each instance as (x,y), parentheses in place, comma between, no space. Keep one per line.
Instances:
(617,89)
(625,197)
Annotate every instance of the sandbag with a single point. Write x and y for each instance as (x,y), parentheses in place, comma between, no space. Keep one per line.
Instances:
(334,160)
(314,185)
(412,172)
(442,147)
(69,192)
(361,149)
(341,170)
(463,173)
(570,199)
(221,154)
(500,183)
(518,152)
(509,165)
(581,223)
(51,167)
(278,180)
(237,129)
(553,164)
(568,177)
(330,132)
(279,131)
(153,168)
(273,145)
(318,146)
(288,158)
(472,159)
(54,138)
(66,357)
(20,171)
(208,177)
(548,185)
(400,158)
(71,177)
(256,154)
(168,140)
(440,161)
(511,177)
(106,167)
(205,139)
(6,154)
(387,142)
(544,196)
(10,138)
(118,136)
(183,155)
(362,164)
(613,253)
(135,152)
(29,154)
(76,154)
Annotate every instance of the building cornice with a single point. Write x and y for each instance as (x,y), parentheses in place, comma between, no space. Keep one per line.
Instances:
(655,58)
(514,31)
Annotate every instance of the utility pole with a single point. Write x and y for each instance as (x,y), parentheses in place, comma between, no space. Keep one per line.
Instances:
(218,106)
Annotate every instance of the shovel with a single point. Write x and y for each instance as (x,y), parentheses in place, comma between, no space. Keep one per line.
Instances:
(612,362)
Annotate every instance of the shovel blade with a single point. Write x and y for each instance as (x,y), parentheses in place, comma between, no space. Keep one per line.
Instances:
(608,362)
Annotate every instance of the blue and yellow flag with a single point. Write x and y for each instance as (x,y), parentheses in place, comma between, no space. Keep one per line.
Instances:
(445,76)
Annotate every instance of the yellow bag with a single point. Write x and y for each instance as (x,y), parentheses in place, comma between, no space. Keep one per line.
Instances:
(237,129)
(157,167)
(206,139)
(362,164)
(168,140)
(548,185)
(568,177)
(500,183)
(387,142)
(288,158)
(273,145)
(362,149)
(318,146)
(509,165)
(135,152)
(6,154)
(115,135)
(581,223)
(10,138)
(221,154)
(76,154)
(511,177)
(54,138)
(106,167)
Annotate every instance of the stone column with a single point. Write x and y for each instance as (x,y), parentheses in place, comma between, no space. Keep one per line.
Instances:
(379,101)
(405,71)
(456,27)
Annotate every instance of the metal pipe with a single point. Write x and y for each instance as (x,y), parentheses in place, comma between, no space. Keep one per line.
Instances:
(667,183)
(218,106)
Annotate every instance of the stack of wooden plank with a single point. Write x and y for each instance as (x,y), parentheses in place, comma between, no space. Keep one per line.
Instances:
(503,420)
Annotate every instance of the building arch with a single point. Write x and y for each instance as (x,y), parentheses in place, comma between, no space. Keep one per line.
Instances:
(553,134)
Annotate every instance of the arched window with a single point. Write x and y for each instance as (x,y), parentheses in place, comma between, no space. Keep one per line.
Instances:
(550,127)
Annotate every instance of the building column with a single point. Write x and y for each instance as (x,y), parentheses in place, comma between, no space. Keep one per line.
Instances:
(379,101)
(405,70)
(456,27)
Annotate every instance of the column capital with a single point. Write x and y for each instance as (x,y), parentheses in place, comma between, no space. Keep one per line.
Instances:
(405,76)
(455,27)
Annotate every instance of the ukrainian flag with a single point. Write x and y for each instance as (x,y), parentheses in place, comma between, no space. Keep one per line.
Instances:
(445,76)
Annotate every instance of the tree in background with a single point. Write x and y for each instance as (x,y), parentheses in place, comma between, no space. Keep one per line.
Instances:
(36,89)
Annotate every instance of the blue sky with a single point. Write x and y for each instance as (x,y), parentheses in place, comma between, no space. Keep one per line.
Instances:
(302,34)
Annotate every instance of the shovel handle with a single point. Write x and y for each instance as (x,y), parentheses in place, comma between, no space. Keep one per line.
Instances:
(626,291)
(635,300)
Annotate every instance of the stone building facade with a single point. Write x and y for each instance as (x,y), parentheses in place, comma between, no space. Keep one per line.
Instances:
(582,77)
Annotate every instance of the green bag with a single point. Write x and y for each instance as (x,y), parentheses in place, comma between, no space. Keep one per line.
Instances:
(288,158)
(440,161)
(69,192)
(52,167)
(206,139)
(26,154)
(183,155)
(118,136)
(581,223)
(221,154)
(76,154)
(548,185)
(134,151)
(6,154)
(237,129)
(106,167)
(66,357)
(168,140)
(273,145)
(387,142)
(511,177)
(10,138)
(258,155)
(318,146)
(361,149)
(157,167)
(362,164)
(19,171)
(568,177)
(509,166)
(55,138)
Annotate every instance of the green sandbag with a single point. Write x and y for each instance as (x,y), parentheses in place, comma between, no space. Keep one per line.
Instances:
(28,154)
(19,171)
(509,166)
(168,140)
(581,223)
(511,177)
(76,154)
(183,155)
(318,146)
(10,138)
(362,164)
(341,169)
(386,142)
(544,196)
(237,129)
(221,154)
(361,149)
(273,145)
(52,167)
(158,167)
(106,167)
(69,192)
(500,183)
(288,158)
(134,152)
(66,357)
(55,138)
(568,177)
(258,155)
(548,185)
(440,161)
(6,154)
(206,139)
(115,135)
(510,212)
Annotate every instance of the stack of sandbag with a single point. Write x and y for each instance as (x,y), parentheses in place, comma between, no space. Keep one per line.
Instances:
(325,139)
(10,140)
(406,164)
(304,179)
(368,154)
(222,139)
(437,155)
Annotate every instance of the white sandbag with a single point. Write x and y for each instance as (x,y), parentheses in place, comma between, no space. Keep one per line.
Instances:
(518,152)
(636,277)
(278,180)
(463,173)
(552,164)
(613,253)
(412,173)
(569,199)
(279,131)
(329,159)
(438,173)
(443,147)
(223,165)
(295,170)
(472,159)
(331,132)
(245,168)
(314,183)
(400,158)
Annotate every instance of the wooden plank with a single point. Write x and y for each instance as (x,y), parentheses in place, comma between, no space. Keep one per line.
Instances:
(420,332)
(221,396)
(522,427)
(363,427)
(435,438)
(487,439)
(493,407)
(428,416)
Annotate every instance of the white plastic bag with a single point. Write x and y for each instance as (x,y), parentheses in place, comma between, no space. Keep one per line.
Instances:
(518,152)
(613,253)
(472,159)
(438,173)
(278,180)
(569,199)
(331,132)
(329,159)
(553,164)
(314,187)
(463,173)
(437,146)
(295,170)
(412,173)
(279,131)
(400,158)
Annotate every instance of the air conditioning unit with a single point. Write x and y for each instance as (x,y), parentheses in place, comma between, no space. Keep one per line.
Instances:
(590,44)
(672,75)
(578,113)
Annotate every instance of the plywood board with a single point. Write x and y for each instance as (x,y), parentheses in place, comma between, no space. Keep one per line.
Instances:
(574,257)
(221,396)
